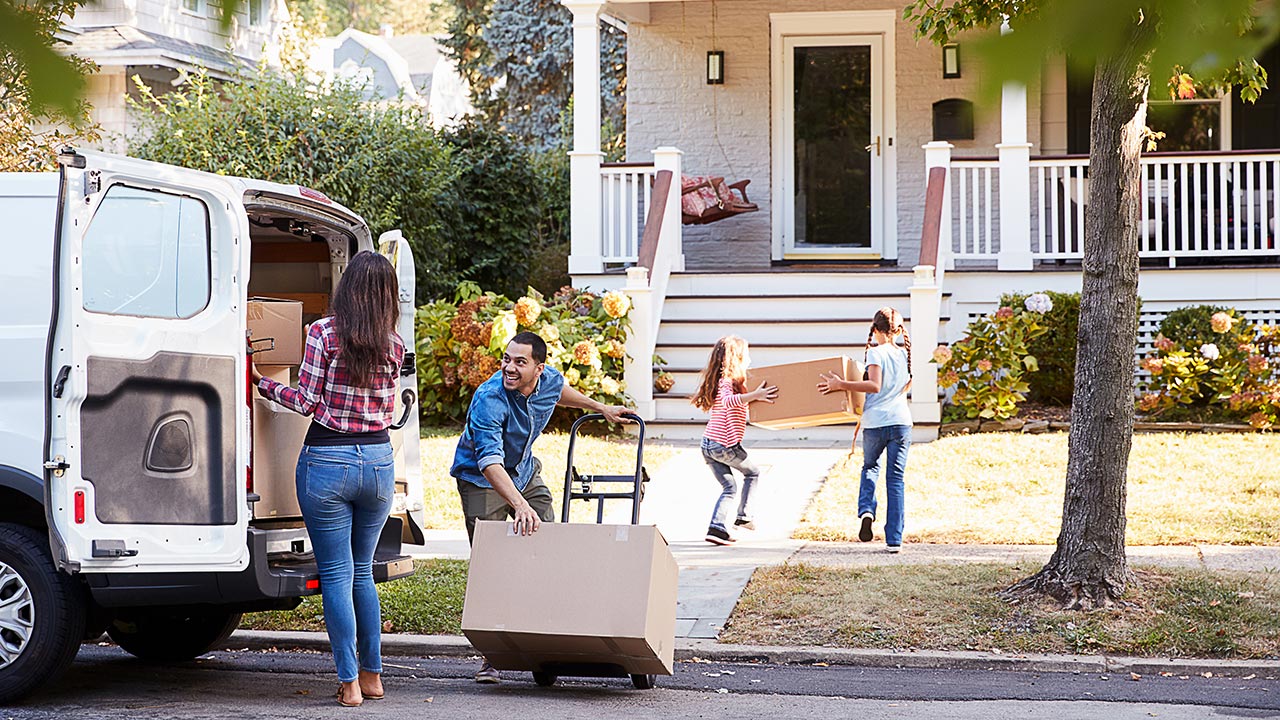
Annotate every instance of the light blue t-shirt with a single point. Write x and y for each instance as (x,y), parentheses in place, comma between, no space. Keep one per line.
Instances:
(889,406)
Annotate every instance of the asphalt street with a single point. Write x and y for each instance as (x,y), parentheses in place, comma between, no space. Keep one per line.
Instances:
(106,683)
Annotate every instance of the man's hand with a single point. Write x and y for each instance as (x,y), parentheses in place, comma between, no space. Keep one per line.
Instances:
(616,413)
(830,383)
(526,521)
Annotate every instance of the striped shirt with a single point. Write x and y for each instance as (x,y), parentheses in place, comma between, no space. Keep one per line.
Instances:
(325,390)
(728,416)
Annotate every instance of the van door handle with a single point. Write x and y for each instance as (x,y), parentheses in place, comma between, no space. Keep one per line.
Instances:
(409,398)
(875,145)
(60,383)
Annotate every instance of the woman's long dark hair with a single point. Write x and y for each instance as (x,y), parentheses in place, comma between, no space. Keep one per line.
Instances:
(366,309)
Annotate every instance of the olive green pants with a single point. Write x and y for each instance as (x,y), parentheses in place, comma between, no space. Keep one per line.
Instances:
(480,503)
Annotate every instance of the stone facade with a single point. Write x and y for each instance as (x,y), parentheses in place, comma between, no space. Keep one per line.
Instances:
(725,129)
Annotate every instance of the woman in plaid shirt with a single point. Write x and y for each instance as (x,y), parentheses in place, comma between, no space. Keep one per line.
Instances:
(346,474)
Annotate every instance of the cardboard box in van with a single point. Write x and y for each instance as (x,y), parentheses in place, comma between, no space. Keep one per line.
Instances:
(277,440)
(281,321)
(572,593)
(799,404)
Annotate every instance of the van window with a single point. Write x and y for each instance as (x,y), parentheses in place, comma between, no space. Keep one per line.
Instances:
(146,253)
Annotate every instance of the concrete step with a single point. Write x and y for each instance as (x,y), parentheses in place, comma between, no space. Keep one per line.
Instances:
(693,356)
(800,281)
(780,307)
(817,331)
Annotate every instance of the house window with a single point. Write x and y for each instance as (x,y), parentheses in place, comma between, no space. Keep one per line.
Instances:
(146,254)
(1188,125)
(257,12)
(195,7)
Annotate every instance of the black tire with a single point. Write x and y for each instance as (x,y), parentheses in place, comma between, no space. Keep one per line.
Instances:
(56,613)
(644,682)
(544,679)
(171,634)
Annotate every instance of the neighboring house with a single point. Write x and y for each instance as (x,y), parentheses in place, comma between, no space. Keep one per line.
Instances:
(160,41)
(393,66)
(834,111)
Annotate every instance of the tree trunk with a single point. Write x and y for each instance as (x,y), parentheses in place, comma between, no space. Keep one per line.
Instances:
(1088,568)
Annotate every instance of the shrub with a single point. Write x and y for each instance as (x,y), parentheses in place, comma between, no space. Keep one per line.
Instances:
(460,343)
(1209,363)
(988,367)
(1055,349)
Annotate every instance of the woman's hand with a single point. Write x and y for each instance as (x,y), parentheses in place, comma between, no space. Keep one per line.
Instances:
(830,383)
(764,393)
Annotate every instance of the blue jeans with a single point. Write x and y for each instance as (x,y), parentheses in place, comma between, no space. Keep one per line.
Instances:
(345,492)
(893,441)
(723,461)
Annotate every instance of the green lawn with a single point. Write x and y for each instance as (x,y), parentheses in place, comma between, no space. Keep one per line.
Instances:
(614,456)
(1171,613)
(1007,488)
(428,603)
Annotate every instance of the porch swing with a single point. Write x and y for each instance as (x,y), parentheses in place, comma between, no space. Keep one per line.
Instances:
(708,199)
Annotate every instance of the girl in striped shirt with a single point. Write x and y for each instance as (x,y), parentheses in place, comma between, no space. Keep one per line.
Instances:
(723,393)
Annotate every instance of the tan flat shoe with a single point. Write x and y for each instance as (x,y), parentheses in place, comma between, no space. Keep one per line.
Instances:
(344,703)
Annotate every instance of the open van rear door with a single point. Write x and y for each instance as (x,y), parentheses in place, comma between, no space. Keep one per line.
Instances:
(145,465)
(409,499)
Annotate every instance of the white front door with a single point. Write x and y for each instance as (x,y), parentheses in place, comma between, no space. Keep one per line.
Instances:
(833,147)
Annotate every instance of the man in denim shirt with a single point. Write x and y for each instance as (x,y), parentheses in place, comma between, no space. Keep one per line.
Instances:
(498,476)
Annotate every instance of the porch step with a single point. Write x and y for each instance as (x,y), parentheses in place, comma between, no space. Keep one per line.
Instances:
(791,281)
(793,331)
(854,307)
(693,356)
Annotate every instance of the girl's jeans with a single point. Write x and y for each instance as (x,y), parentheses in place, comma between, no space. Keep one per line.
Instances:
(723,461)
(892,441)
(345,493)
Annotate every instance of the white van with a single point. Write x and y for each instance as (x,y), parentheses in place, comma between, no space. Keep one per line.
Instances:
(127,501)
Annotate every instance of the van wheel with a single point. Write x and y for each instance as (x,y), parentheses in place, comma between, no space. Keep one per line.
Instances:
(171,634)
(42,613)
(642,681)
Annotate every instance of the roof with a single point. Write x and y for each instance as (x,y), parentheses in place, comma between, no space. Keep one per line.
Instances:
(420,52)
(127,45)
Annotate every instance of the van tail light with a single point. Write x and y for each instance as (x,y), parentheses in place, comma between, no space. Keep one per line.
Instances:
(79,507)
(313,584)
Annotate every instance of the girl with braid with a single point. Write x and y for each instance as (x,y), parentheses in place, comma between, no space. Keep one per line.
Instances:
(886,421)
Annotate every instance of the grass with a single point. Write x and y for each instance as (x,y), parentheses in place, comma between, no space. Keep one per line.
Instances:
(1177,613)
(592,455)
(1007,488)
(428,603)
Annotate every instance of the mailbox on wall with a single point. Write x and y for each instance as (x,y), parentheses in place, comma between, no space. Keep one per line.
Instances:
(953,119)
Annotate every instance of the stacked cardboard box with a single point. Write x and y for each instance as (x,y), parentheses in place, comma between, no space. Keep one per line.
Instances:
(277,431)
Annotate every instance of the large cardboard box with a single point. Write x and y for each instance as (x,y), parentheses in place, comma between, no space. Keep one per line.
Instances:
(277,440)
(572,594)
(799,404)
(280,320)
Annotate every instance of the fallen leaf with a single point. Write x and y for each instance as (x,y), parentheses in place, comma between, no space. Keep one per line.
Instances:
(1166,674)
(387,626)
(712,674)
(1245,594)
(1135,676)
(1208,675)
(728,672)
(821,665)
(301,692)
(1215,603)
(1249,677)
(430,699)
(722,691)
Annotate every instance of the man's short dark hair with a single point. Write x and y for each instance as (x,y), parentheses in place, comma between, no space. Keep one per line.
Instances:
(534,341)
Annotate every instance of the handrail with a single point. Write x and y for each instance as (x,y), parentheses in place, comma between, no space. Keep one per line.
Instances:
(653,219)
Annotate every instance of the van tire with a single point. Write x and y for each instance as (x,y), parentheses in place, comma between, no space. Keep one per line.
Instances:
(172,634)
(58,610)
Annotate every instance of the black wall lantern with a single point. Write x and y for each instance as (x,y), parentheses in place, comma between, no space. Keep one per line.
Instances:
(950,60)
(715,67)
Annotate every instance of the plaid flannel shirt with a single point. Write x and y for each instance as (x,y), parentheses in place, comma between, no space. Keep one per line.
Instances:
(324,387)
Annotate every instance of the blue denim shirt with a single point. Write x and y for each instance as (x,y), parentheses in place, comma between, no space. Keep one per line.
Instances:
(501,427)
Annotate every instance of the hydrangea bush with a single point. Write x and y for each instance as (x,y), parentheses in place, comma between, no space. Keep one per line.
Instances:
(986,370)
(1209,363)
(460,343)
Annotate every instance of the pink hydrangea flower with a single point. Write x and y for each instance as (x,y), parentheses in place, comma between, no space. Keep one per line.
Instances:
(984,365)
(1221,322)
(942,355)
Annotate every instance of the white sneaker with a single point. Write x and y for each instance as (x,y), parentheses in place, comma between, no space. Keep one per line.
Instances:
(894,548)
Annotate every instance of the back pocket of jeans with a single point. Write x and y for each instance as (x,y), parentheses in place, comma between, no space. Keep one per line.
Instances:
(384,475)
(326,480)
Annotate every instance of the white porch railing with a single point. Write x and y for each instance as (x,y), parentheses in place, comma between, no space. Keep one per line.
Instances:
(625,195)
(1194,205)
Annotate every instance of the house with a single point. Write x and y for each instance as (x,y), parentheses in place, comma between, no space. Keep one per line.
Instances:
(160,41)
(393,66)
(836,113)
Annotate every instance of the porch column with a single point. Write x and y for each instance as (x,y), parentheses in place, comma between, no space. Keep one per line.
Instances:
(938,154)
(638,371)
(671,242)
(1015,178)
(585,158)
(925,311)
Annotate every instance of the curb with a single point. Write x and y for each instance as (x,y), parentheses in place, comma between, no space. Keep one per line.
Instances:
(710,650)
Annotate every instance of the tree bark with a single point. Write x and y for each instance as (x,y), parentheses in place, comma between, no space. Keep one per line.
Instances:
(1089,568)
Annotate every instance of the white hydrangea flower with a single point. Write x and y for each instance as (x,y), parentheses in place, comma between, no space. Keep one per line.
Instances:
(1209,351)
(1038,303)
